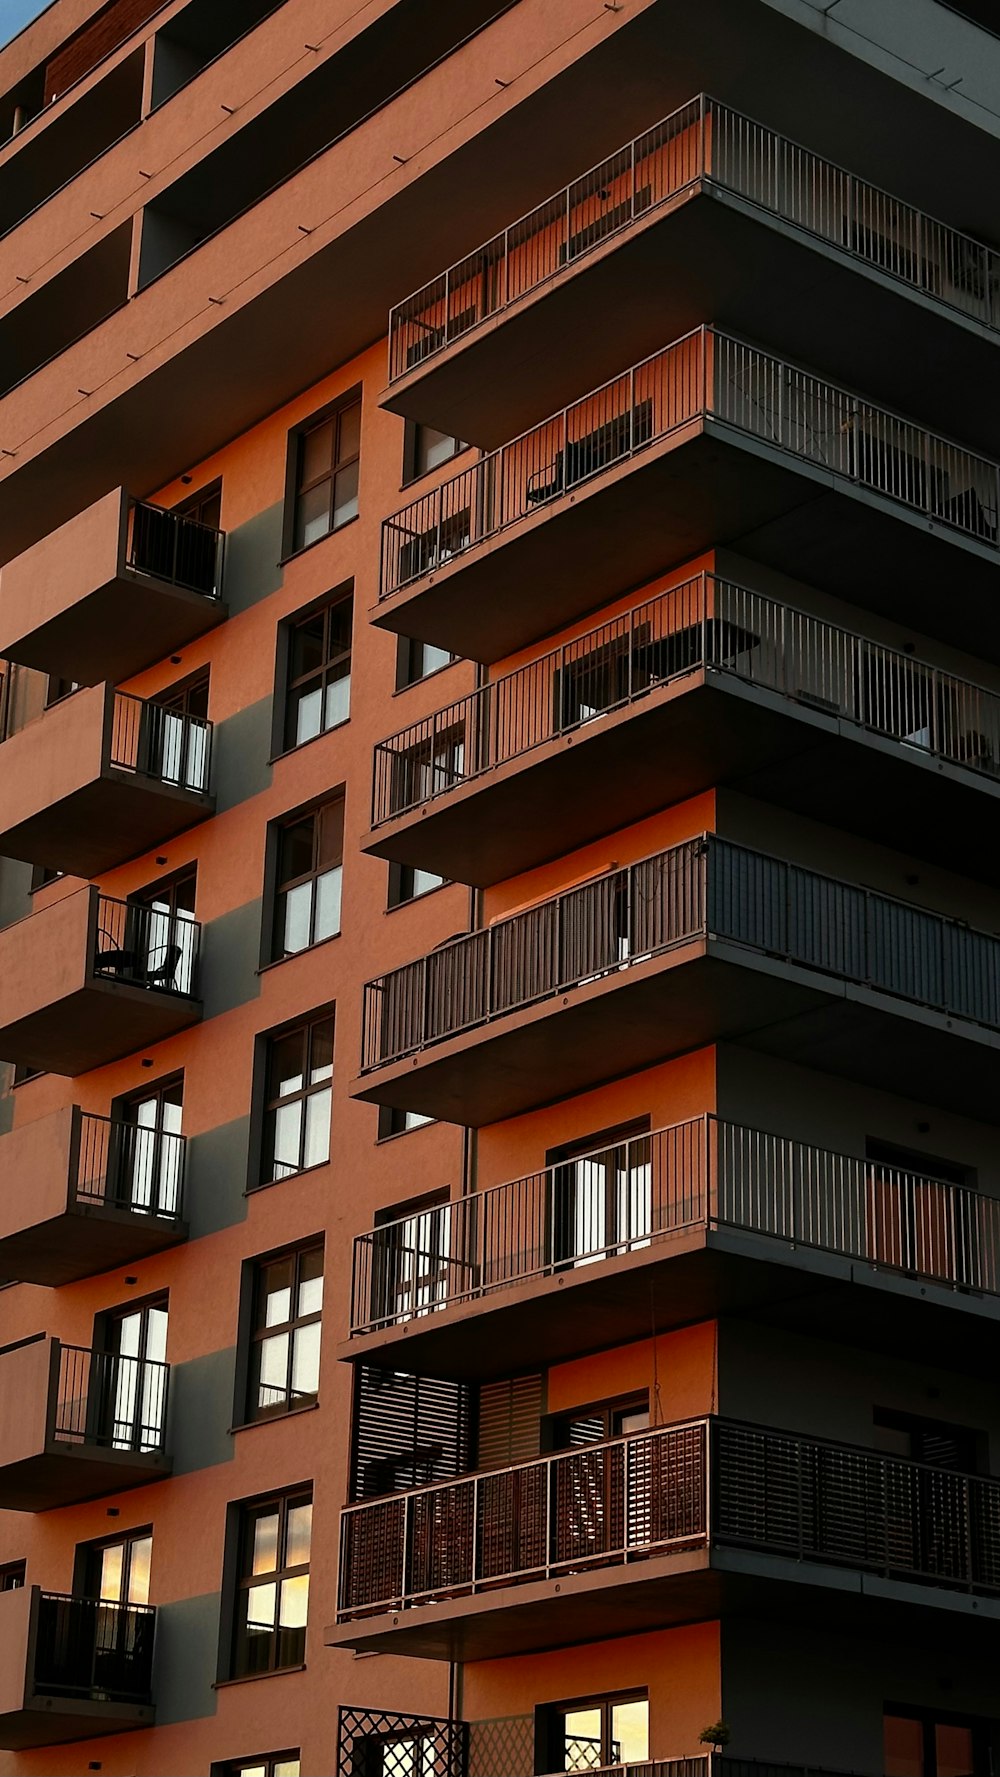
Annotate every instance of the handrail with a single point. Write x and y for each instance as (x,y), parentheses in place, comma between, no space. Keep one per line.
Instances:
(120,1164)
(707,375)
(108,1400)
(701,140)
(706,1172)
(704,623)
(170,546)
(706,886)
(146,946)
(702,1483)
(96,1648)
(153,740)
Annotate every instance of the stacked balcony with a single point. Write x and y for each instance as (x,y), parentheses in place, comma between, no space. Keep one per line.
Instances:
(84,1193)
(660,1527)
(716,1217)
(708,682)
(114,589)
(76,1423)
(99,778)
(782,241)
(706,942)
(709,438)
(72,1667)
(90,978)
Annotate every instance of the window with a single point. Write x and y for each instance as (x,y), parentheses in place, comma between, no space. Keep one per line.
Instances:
(413,1258)
(393,1121)
(153,940)
(429,768)
(42,875)
(12,1576)
(920,1743)
(425,448)
(58,689)
(596,1732)
(117,1570)
(327,461)
(205,507)
(273,1584)
(407,883)
(417,660)
(269,1764)
(299,1099)
(601,1195)
(284,1356)
(173,735)
(309,877)
(595,1425)
(911,1205)
(319,671)
(133,1383)
(934,1442)
(146,1153)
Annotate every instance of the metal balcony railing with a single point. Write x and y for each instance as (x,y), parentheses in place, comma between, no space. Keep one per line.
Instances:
(170,546)
(706,887)
(117,1164)
(161,743)
(707,375)
(704,624)
(110,1401)
(147,946)
(701,141)
(705,1173)
(89,1648)
(706,1482)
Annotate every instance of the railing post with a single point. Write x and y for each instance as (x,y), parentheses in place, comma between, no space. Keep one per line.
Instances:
(474,1564)
(447,306)
(407,1570)
(549,1484)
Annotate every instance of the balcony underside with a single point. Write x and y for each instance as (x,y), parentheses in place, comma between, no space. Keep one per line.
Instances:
(50,1721)
(689,998)
(95,1024)
(704,730)
(705,486)
(694,1275)
(659,1592)
(742,267)
(116,630)
(115,817)
(65,1474)
(85,1241)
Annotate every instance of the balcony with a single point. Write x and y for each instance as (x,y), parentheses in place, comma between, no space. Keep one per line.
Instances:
(99,778)
(788,245)
(89,979)
(72,1668)
(629,1535)
(113,590)
(705,684)
(708,439)
(83,1194)
(77,1423)
(454,1747)
(704,943)
(716,1217)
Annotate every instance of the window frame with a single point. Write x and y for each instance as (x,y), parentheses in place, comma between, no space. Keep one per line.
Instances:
(258,1334)
(267,1762)
(279,886)
(408,652)
(548,1715)
(246,1511)
(413,470)
(287,687)
(296,487)
(13,1576)
(265,1104)
(929,1719)
(398,876)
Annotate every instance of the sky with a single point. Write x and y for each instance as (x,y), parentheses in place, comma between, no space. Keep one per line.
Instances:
(15,14)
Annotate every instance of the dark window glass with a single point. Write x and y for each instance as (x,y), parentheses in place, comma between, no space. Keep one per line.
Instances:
(393,1121)
(273,1588)
(594,1425)
(205,506)
(284,1358)
(597,1733)
(12,1576)
(57,689)
(319,672)
(407,883)
(413,1258)
(145,1156)
(601,1194)
(299,1099)
(328,457)
(417,660)
(425,448)
(310,874)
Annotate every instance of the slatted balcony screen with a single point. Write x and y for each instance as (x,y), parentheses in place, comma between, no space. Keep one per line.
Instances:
(701,141)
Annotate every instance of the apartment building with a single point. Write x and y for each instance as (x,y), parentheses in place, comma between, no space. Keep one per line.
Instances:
(499,894)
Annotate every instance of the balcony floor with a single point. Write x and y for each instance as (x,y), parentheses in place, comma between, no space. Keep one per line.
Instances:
(116,630)
(96,1024)
(52,1721)
(698,994)
(66,1474)
(86,1240)
(694,1275)
(102,824)
(744,268)
(706,485)
(706,729)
